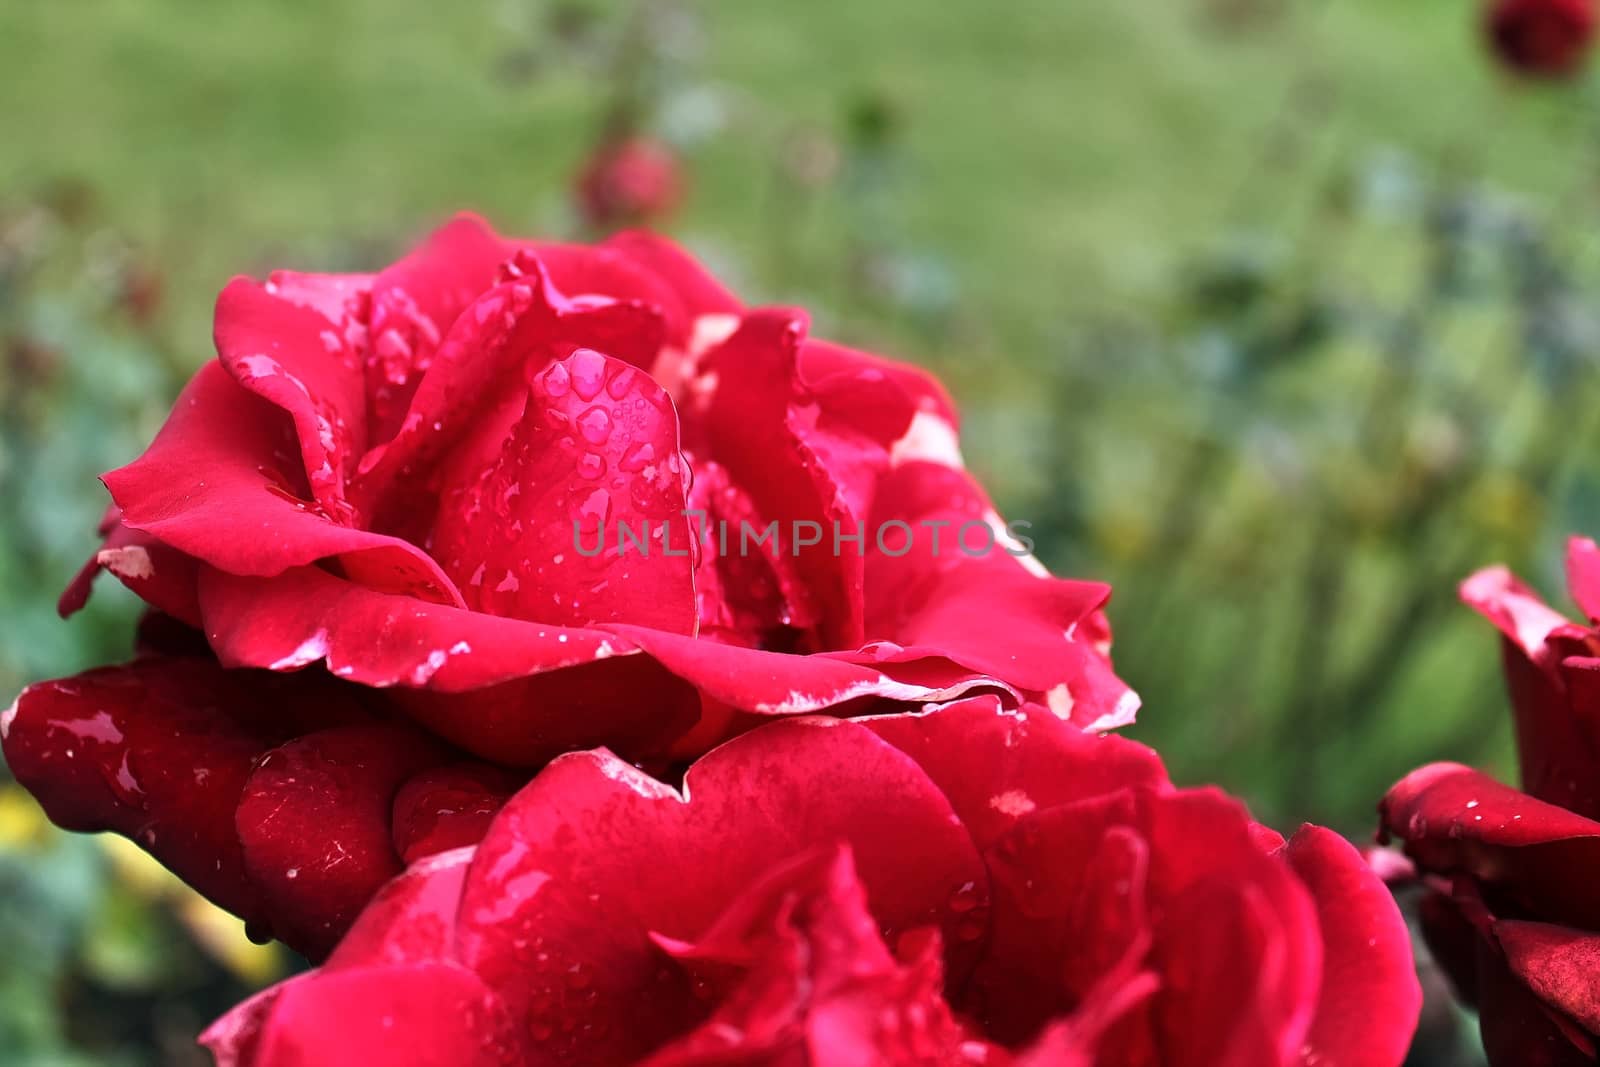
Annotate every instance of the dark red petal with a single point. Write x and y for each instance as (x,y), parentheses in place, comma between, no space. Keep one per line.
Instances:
(1560,965)
(700,293)
(410,920)
(494,686)
(754,415)
(580,519)
(422,1014)
(473,392)
(414,302)
(314,821)
(1371,998)
(163,577)
(612,272)
(878,397)
(1557,717)
(1583,575)
(159,751)
(1070,912)
(234,1039)
(745,595)
(339,298)
(593,854)
(218,484)
(1520,1030)
(774,683)
(448,807)
(1455,820)
(1556,701)
(1240,965)
(294,358)
(1518,612)
(960,566)
(997,766)
(798,969)
(380,639)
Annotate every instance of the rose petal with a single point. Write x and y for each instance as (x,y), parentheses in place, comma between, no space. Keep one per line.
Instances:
(502,692)
(997,766)
(1453,819)
(1519,1030)
(804,973)
(580,519)
(159,751)
(775,683)
(462,408)
(294,358)
(427,1014)
(593,853)
(948,564)
(753,419)
(161,576)
(413,304)
(217,485)
(342,299)
(314,820)
(700,293)
(1518,612)
(448,807)
(1558,963)
(412,919)
(1370,998)
(1583,575)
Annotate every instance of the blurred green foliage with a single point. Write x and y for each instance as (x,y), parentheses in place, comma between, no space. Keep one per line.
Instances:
(1278,314)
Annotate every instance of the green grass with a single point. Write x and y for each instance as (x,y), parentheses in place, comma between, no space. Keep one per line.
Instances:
(1058,155)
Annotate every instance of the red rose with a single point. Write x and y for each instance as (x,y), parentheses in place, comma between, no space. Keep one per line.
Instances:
(1511,911)
(1541,38)
(389,489)
(969,885)
(629,182)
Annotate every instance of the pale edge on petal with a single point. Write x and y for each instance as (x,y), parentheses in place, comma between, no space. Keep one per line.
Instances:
(883,686)
(9,715)
(131,562)
(930,439)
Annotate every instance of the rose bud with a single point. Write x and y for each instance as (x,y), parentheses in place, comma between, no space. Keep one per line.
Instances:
(1541,38)
(1510,911)
(503,500)
(971,885)
(629,182)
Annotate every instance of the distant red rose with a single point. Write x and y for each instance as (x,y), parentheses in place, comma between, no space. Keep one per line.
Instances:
(966,886)
(1541,38)
(380,487)
(1511,912)
(629,182)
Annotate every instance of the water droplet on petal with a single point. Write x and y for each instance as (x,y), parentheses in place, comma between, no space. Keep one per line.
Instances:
(556,380)
(595,425)
(637,457)
(588,372)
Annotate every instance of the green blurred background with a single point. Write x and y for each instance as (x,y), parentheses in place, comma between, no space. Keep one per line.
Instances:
(1277,314)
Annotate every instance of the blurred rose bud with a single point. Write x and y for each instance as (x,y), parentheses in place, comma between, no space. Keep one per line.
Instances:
(140,292)
(629,182)
(1541,38)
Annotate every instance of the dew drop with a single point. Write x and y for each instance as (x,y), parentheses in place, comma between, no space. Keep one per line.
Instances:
(620,383)
(595,425)
(593,508)
(964,898)
(591,465)
(588,372)
(557,380)
(638,457)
